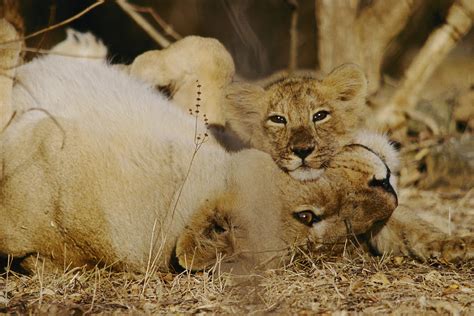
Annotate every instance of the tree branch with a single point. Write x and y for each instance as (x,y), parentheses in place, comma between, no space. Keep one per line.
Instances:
(347,36)
(143,23)
(439,44)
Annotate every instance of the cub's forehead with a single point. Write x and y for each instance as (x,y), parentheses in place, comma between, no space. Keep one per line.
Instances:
(297,92)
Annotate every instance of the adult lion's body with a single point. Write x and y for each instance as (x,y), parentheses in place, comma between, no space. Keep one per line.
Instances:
(95,171)
(93,166)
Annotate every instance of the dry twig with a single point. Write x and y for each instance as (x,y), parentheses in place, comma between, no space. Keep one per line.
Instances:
(168,28)
(57,25)
(143,23)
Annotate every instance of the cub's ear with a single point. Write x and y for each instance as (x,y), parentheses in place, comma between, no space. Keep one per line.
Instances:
(209,235)
(244,108)
(347,82)
(243,95)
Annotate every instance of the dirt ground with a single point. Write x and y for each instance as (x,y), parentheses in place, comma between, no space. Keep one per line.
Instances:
(325,285)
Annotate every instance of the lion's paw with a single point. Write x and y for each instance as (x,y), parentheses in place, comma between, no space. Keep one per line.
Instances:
(453,249)
(79,44)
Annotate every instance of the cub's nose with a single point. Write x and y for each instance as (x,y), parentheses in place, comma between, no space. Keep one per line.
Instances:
(303,152)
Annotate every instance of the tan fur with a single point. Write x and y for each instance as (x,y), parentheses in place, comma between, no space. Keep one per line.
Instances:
(70,206)
(102,178)
(178,67)
(105,181)
(175,70)
(251,109)
(406,232)
(249,106)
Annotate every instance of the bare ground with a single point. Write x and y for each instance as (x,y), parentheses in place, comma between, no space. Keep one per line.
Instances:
(327,285)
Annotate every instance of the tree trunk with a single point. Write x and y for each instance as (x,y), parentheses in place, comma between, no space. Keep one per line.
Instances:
(347,35)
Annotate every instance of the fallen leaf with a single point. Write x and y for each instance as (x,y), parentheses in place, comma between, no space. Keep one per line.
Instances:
(398,260)
(168,277)
(48,292)
(451,289)
(380,278)
(433,276)
(356,285)
(406,280)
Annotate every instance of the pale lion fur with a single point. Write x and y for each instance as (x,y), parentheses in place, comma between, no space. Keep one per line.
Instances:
(94,180)
(78,44)
(179,67)
(95,177)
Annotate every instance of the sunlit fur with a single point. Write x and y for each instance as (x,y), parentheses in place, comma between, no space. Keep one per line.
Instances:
(341,94)
(178,67)
(409,232)
(99,175)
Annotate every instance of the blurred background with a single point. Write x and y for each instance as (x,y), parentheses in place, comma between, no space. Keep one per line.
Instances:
(257,33)
(437,116)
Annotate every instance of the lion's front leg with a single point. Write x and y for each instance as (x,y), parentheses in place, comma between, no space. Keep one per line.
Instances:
(452,248)
(407,234)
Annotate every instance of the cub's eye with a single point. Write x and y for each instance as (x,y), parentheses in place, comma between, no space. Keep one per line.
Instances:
(277,119)
(307,217)
(321,115)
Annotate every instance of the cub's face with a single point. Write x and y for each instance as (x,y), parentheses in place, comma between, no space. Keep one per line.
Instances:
(269,212)
(357,191)
(301,122)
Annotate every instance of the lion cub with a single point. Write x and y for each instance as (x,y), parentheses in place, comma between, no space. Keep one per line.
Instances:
(301,122)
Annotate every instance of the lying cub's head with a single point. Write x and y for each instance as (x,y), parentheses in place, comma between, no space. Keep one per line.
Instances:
(301,122)
(359,192)
(256,225)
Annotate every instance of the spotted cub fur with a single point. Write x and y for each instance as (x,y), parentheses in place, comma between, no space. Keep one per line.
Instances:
(301,122)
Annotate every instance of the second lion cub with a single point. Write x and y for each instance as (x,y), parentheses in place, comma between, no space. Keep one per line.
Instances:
(301,122)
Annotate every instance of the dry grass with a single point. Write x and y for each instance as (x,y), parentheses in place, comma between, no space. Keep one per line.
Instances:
(357,282)
(322,285)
